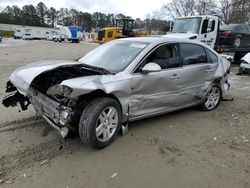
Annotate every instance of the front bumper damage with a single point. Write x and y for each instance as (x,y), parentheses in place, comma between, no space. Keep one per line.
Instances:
(57,115)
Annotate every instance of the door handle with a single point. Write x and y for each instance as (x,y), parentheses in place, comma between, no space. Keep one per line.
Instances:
(209,70)
(175,76)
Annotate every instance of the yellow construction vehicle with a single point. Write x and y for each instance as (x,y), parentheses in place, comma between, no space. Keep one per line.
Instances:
(122,27)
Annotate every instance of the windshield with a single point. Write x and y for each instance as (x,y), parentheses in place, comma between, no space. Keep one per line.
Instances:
(114,56)
(187,25)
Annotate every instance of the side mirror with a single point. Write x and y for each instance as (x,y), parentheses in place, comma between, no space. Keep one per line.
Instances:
(151,67)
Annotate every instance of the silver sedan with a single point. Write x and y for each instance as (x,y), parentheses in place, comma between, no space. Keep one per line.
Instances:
(118,82)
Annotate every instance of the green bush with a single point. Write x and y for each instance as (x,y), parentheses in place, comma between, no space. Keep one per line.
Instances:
(7,33)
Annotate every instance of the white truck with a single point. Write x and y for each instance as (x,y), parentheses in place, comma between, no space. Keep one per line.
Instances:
(65,33)
(205,28)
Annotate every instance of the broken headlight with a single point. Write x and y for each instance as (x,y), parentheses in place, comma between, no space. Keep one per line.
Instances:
(58,91)
(66,91)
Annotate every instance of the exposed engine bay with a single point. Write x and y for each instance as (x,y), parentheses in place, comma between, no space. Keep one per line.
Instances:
(48,83)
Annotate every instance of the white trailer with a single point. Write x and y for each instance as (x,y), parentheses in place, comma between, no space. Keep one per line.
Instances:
(35,32)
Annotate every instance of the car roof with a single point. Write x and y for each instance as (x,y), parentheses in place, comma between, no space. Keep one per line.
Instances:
(231,26)
(161,40)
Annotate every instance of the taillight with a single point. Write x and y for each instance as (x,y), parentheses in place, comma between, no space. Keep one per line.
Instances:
(226,33)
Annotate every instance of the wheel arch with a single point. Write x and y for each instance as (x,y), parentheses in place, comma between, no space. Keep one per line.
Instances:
(86,98)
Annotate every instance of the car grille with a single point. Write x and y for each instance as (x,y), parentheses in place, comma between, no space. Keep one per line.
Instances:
(101,34)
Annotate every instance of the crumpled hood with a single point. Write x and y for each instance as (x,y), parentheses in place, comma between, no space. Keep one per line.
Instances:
(180,35)
(23,76)
(83,85)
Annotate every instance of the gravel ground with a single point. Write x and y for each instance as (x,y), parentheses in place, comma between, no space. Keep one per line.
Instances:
(188,148)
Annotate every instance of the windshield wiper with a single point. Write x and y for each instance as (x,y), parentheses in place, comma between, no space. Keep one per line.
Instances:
(98,69)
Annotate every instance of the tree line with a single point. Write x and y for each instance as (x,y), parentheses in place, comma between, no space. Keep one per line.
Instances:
(42,16)
(230,11)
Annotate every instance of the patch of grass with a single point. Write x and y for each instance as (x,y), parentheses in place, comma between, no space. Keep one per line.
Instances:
(7,33)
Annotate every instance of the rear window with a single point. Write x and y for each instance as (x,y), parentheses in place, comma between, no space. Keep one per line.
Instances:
(229,27)
(243,28)
(212,56)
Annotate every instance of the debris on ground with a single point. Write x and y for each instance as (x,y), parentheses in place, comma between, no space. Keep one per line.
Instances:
(115,174)
(44,161)
(12,139)
(7,180)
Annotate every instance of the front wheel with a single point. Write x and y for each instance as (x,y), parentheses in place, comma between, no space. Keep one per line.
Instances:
(100,122)
(213,99)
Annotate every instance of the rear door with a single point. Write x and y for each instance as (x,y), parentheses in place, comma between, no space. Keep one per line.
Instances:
(198,69)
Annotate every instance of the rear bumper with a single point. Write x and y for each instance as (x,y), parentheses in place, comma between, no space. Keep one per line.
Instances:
(227,41)
(244,68)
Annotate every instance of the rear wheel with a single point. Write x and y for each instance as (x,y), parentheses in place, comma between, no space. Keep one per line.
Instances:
(213,99)
(237,42)
(100,122)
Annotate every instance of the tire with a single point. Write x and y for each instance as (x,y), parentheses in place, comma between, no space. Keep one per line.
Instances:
(213,99)
(237,42)
(93,120)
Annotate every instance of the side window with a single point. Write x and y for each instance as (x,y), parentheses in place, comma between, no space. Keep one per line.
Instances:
(110,34)
(241,28)
(244,28)
(192,54)
(211,26)
(204,26)
(166,56)
(208,26)
(248,28)
(213,57)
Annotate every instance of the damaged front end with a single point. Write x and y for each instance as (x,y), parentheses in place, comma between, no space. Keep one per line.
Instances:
(47,95)
(55,113)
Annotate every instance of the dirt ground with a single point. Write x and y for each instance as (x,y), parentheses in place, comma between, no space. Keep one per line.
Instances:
(189,148)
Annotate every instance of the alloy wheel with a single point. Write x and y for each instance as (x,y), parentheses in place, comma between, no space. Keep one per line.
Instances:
(213,98)
(106,124)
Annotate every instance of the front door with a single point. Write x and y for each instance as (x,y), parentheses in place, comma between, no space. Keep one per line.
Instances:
(157,91)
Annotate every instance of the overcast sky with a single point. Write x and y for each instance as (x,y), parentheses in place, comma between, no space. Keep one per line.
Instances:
(133,8)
